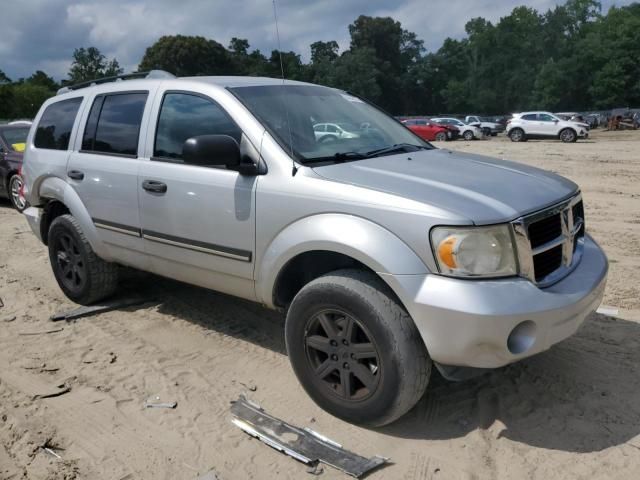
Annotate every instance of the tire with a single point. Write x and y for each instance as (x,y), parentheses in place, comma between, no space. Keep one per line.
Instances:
(568,135)
(14,186)
(381,371)
(328,139)
(517,135)
(468,135)
(486,131)
(441,137)
(494,134)
(81,274)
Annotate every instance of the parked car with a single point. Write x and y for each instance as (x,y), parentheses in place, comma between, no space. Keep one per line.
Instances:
(12,144)
(468,132)
(532,125)
(388,256)
(573,117)
(486,124)
(428,130)
(331,132)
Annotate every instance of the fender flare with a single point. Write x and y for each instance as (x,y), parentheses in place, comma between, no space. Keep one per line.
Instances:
(363,240)
(54,188)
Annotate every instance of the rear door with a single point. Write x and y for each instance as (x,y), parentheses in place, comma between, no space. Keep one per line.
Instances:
(104,171)
(198,222)
(530,124)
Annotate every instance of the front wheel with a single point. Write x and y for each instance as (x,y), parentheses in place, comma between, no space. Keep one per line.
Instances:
(15,194)
(441,137)
(355,349)
(83,276)
(568,135)
(468,135)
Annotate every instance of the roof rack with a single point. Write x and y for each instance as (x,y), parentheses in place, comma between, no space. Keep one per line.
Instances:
(152,74)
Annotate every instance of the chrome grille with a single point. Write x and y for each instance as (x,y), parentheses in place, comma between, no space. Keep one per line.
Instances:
(550,242)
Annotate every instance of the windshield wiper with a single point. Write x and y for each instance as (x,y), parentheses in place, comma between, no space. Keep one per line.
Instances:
(398,147)
(338,157)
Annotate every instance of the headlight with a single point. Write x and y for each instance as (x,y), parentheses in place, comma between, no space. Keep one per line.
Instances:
(474,251)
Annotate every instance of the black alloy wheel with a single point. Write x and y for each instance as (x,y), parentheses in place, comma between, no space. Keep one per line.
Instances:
(342,354)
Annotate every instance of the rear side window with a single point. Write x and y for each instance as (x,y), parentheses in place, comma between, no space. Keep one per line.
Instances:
(531,116)
(113,125)
(183,116)
(54,129)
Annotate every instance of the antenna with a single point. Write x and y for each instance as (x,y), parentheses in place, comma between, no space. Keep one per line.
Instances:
(294,168)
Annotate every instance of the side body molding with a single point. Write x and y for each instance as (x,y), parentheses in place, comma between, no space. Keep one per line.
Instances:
(55,188)
(363,240)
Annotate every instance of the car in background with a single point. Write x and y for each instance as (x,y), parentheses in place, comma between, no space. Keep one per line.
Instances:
(537,125)
(468,132)
(428,130)
(12,143)
(486,124)
(573,117)
(330,132)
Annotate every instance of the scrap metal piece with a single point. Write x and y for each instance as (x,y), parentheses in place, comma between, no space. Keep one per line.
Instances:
(156,402)
(304,445)
(95,309)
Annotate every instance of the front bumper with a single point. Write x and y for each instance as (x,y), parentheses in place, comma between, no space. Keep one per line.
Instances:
(468,322)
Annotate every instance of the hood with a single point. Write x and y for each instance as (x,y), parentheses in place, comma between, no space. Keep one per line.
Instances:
(482,189)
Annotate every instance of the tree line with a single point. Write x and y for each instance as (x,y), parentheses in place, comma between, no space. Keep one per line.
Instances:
(571,57)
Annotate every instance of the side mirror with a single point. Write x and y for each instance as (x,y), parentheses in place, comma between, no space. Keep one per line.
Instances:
(555,121)
(211,150)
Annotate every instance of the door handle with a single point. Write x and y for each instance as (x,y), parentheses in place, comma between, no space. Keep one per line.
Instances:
(75,174)
(154,186)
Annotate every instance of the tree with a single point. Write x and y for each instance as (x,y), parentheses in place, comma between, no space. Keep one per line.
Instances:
(4,78)
(327,51)
(186,56)
(90,64)
(41,79)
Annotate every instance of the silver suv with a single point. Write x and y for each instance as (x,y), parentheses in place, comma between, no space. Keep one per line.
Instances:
(389,256)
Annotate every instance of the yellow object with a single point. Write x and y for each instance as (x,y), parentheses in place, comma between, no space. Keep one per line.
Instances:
(19,147)
(446,251)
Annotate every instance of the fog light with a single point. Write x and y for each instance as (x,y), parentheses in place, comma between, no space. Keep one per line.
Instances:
(522,337)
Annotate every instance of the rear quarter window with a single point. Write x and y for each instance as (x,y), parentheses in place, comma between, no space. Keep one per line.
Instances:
(56,123)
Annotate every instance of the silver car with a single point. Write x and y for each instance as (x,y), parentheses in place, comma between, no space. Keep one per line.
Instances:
(388,256)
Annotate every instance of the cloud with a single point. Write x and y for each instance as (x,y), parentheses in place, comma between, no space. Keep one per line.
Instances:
(42,34)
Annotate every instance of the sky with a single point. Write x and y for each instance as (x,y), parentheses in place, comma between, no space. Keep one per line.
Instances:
(42,34)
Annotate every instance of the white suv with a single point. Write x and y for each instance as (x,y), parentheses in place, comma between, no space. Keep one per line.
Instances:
(530,125)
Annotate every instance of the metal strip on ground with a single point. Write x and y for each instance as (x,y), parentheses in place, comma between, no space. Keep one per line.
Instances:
(304,445)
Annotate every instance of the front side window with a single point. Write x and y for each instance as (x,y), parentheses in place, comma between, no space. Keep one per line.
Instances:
(543,117)
(183,116)
(114,122)
(289,113)
(54,128)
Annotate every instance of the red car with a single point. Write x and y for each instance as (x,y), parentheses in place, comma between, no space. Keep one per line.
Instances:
(428,130)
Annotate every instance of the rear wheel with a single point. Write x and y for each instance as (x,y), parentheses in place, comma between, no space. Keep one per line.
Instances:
(568,135)
(15,195)
(517,135)
(355,349)
(81,274)
(441,137)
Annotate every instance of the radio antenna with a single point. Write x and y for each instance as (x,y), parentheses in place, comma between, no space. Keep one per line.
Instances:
(294,168)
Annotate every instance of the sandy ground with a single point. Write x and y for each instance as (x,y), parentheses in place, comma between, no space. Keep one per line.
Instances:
(570,413)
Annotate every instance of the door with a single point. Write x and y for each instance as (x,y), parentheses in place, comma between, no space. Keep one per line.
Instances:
(104,172)
(548,124)
(198,223)
(530,124)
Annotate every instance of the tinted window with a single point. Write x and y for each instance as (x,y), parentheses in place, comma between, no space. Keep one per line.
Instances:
(332,128)
(119,123)
(531,116)
(545,118)
(54,129)
(183,116)
(89,137)
(15,137)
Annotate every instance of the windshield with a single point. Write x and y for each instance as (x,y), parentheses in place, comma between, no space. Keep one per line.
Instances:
(16,138)
(307,126)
